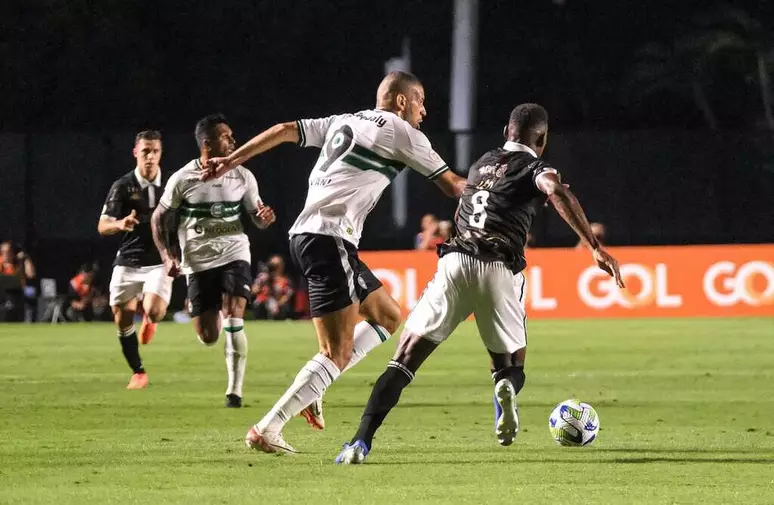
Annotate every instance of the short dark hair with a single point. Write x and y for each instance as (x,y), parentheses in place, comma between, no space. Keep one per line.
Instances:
(529,121)
(147,135)
(205,127)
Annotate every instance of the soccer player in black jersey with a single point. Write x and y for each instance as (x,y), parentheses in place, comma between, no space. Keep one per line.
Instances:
(480,272)
(138,269)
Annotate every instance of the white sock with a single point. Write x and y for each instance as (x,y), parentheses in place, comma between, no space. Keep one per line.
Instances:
(309,385)
(236,354)
(368,335)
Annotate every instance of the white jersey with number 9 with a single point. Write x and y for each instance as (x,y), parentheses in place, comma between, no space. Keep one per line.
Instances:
(360,155)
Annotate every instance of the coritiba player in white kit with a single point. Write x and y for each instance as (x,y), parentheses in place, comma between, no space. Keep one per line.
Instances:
(215,250)
(361,154)
(480,272)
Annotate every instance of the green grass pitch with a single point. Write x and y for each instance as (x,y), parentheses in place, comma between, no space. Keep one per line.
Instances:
(686,409)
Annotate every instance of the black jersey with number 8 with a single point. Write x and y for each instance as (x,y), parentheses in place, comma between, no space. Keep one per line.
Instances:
(496,209)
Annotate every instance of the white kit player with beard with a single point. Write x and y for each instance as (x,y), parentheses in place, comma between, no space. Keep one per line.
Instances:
(215,249)
(361,154)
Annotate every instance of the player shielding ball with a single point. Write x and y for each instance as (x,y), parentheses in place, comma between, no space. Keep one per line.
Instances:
(360,155)
(137,270)
(480,272)
(215,250)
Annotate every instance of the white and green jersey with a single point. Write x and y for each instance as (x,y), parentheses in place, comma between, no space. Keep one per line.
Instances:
(210,231)
(361,154)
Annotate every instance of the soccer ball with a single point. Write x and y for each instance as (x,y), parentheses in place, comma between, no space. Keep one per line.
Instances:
(574,423)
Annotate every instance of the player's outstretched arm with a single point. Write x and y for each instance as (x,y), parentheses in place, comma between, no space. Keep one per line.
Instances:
(264,141)
(568,206)
(451,184)
(162,221)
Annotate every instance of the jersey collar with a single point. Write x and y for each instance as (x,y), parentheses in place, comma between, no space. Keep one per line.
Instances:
(515,146)
(144,183)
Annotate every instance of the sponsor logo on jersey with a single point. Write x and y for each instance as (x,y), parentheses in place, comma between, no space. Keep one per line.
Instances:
(361,281)
(219,229)
(379,120)
(216,209)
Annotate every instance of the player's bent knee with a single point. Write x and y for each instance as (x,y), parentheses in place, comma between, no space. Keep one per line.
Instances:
(207,338)
(156,315)
(391,319)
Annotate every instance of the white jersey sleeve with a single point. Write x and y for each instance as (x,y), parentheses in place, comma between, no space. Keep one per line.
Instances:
(173,196)
(312,132)
(414,149)
(251,200)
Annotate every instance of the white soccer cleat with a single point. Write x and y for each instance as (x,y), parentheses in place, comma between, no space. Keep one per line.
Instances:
(507,425)
(314,414)
(353,454)
(268,442)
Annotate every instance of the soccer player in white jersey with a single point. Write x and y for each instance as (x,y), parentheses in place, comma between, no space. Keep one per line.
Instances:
(215,250)
(361,154)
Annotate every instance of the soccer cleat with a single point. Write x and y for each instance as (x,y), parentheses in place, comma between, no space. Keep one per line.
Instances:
(507,424)
(138,381)
(314,415)
(233,401)
(352,454)
(267,442)
(147,330)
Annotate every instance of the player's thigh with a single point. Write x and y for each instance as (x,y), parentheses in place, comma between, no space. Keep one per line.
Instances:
(327,266)
(500,312)
(125,285)
(376,304)
(204,303)
(445,303)
(235,288)
(157,290)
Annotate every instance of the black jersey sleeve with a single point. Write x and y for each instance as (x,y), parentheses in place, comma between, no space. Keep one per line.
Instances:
(540,167)
(115,201)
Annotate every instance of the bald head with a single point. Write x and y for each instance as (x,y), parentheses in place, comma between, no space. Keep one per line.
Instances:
(403,94)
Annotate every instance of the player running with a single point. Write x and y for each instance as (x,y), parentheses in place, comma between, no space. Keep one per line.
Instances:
(137,270)
(215,250)
(361,154)
(480,272)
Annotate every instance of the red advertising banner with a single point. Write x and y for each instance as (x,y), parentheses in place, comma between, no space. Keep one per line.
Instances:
(679,281)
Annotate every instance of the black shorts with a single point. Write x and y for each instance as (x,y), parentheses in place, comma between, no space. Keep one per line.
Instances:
(335,276)
(206,288)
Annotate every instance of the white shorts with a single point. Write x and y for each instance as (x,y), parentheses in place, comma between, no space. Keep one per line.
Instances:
(464,285)
(128,283)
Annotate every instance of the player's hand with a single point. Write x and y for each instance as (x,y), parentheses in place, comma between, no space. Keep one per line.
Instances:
(215,167)
(172,266)
(129,222)
(265,216)
(609,264)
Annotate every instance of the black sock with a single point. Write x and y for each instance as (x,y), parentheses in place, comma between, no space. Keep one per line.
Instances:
(384,397)
(513,373)
(131,349)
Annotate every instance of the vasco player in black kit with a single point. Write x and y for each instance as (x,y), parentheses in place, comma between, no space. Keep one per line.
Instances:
(480,272)
(137,269)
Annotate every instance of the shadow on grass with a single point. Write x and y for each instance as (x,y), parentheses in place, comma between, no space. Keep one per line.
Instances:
(604,461)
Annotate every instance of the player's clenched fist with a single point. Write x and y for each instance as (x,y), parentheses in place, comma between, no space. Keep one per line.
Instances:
(265,217)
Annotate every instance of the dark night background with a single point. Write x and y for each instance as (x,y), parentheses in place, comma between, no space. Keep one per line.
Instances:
(658,109)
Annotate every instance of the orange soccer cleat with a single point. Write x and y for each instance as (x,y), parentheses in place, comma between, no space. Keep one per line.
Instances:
(138,381)
(147,330)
